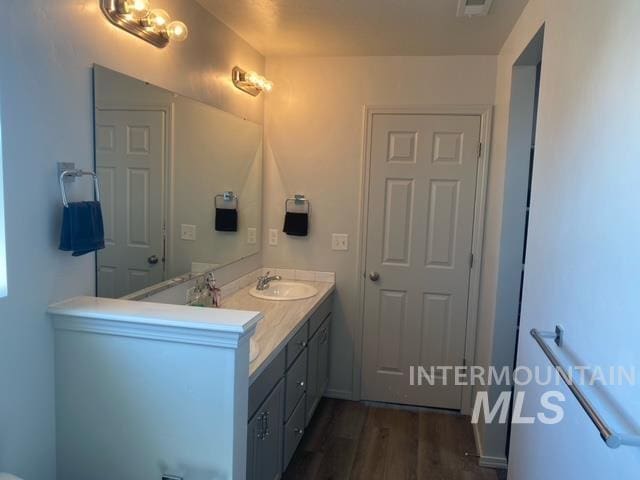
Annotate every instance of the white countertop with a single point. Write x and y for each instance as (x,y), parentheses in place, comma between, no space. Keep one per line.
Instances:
(158,314)
(281,320)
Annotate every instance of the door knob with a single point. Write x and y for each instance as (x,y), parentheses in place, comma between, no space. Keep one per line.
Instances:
(374,276)
(153,259)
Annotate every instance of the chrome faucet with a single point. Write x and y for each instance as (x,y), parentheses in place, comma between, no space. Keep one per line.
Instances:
(265,280)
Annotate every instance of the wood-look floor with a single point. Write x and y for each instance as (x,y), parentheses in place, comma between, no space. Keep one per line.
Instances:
(349,440)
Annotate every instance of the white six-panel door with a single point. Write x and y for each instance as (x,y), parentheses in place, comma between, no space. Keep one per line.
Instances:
(130,162)
(419,235)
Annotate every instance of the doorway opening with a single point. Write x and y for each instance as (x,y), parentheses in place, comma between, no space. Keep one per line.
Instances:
(523,115)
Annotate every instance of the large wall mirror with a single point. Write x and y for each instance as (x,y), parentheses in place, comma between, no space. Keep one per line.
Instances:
(180,184)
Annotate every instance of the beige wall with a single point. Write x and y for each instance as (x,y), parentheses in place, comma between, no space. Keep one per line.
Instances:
(313,129)
(47,49)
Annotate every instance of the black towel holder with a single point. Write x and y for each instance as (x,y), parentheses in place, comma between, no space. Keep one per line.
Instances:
(297,199)
(78,173)
(227,197)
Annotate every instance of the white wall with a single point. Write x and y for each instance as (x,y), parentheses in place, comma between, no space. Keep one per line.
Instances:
(46,52)
(313,128)
(582,262)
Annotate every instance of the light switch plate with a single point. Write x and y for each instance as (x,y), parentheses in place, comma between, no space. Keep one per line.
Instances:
(273,237)
(252,234)
(188,232)
(340,241)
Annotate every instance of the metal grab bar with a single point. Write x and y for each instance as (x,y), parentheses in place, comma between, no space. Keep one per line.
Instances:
(77,173)
(611,438)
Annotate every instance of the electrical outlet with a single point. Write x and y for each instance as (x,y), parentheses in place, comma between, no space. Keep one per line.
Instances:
(252,234)
(188,232)
(340,241)
(273,237)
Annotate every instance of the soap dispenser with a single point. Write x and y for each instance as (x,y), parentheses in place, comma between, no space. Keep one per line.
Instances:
(214,291)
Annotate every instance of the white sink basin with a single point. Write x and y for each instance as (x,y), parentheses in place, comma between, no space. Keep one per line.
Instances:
(285,291)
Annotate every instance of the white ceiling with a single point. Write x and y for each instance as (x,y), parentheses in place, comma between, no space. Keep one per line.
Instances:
(366,27)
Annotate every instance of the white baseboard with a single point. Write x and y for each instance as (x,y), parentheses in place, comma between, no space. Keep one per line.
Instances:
(493,462)
(485,460)
(339,394)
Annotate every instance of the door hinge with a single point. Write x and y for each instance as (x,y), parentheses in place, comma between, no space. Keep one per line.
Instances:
(471,259)
(479,149)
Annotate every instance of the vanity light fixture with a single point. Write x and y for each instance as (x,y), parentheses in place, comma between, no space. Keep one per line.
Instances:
(250,82)
(137,17)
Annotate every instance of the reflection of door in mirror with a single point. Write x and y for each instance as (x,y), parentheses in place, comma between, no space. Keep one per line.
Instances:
(130,162)
(162,159)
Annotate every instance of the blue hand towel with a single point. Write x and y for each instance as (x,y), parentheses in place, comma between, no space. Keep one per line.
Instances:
(82,228)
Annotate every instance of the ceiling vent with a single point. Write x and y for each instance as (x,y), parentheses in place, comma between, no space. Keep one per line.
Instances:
(474,8)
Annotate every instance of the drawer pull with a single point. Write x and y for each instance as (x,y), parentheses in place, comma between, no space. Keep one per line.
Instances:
(301,384)
(302,344)
(261,430)
(267,431)
(298,431)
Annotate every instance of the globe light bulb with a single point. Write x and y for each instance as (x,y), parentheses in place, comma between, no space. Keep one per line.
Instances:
(177,31)
(252,77)
(139,9)
(268,86)
(159,19)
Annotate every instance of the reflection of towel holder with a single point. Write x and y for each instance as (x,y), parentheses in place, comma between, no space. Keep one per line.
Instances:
(227,197)
(297,199)
(77,173)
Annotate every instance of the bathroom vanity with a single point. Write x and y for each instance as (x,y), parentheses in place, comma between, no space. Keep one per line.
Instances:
(145,390)
(148,387)
(288,376)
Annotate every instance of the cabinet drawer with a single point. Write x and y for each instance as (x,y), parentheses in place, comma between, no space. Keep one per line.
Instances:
(296,384)
(320,315)
(262,385)
(297,344)
(293,431)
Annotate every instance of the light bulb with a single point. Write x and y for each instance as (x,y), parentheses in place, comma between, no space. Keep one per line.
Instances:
(177,31)
(268,86)
(159,18)
(252,77)
(139,9)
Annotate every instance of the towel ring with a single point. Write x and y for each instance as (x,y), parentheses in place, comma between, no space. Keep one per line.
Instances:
(227,197)
(297,199)
(78,173)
